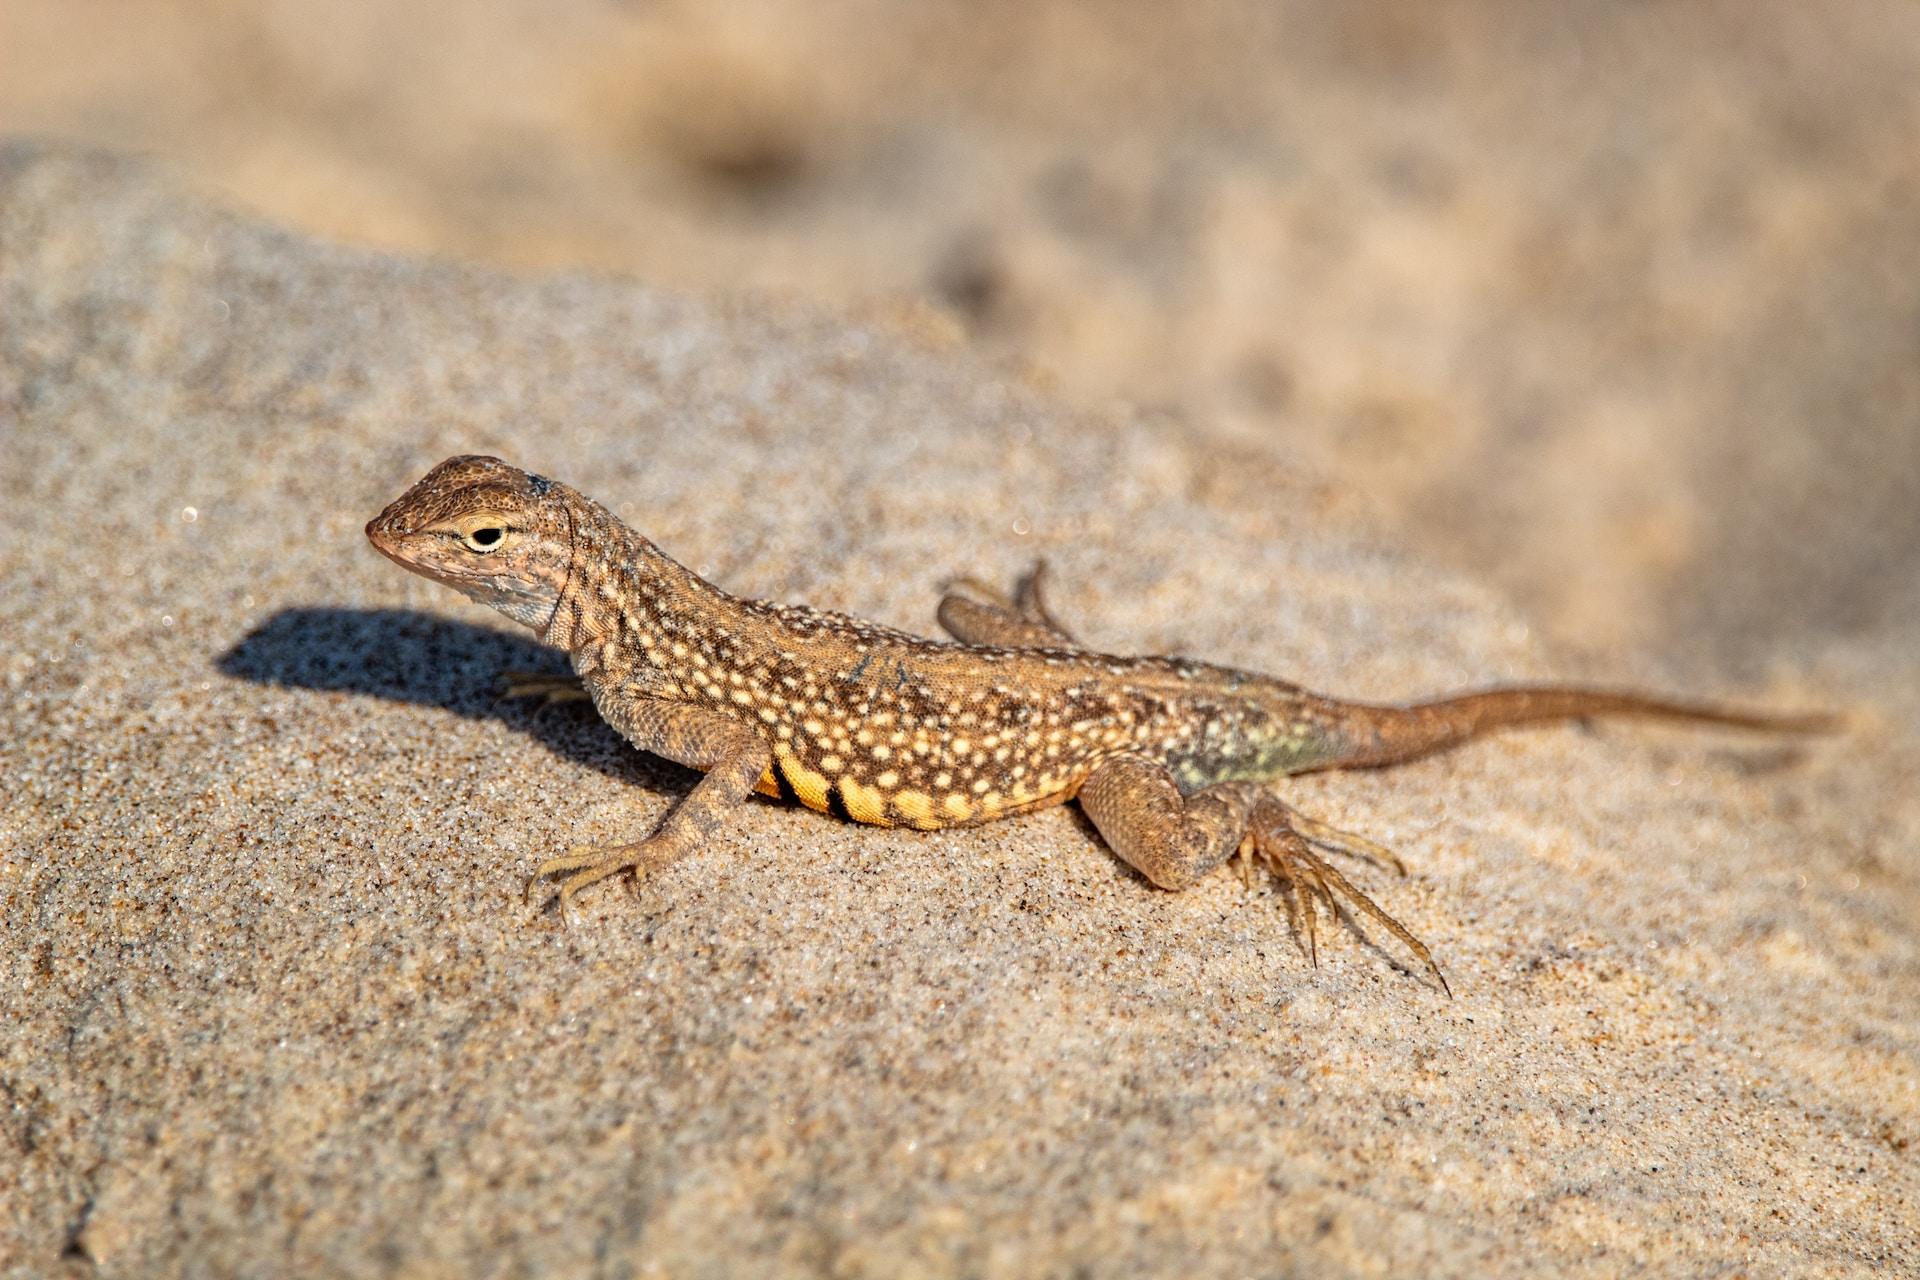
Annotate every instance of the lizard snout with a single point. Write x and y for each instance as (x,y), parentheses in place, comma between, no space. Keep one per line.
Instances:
(385,532)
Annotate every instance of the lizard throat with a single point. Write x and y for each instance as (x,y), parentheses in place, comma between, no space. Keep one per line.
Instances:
(547,628)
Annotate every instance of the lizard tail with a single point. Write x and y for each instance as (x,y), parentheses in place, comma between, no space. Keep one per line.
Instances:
(1370,734)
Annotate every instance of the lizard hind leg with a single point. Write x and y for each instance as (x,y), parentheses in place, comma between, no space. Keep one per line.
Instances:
(1175,839)
(1283,838)
(975,612)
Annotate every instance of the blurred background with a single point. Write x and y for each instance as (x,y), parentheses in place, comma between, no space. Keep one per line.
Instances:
(1617,305)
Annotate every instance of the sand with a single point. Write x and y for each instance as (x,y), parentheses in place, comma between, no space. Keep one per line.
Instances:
(273,1004)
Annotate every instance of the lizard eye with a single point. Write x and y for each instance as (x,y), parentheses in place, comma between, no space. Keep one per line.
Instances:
(484,539)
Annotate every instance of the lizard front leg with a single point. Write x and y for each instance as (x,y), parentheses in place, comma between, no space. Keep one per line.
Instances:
(1173,840)
(732,753)
(545,685)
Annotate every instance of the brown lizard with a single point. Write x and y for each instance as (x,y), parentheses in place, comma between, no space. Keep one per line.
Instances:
(1169,757)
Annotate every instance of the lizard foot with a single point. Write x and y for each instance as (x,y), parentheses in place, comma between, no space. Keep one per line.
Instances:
(1283,839)
(541,684)
(980,587)
(1334,840)
(590,864)
(977,612)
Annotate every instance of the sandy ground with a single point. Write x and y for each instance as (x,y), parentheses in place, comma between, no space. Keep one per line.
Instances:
(272,1002)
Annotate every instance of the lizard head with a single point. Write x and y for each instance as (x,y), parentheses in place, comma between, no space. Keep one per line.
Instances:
(490,530)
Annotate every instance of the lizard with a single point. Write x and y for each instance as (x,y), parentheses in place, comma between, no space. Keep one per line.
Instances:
(1169,757)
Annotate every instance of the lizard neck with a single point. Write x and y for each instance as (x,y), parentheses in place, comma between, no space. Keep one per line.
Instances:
(619,582)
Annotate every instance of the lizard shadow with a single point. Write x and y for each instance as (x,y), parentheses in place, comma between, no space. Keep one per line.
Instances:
(403,655)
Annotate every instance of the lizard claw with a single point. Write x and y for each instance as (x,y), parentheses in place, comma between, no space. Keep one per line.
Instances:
(590,864)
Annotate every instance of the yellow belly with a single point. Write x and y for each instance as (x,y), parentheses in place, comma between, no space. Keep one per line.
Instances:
(897,806)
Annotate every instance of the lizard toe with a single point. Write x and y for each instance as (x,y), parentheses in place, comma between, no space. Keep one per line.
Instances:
(1311,881)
